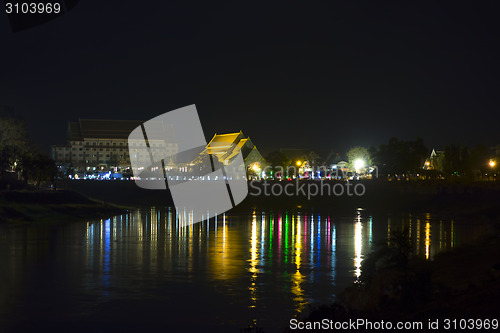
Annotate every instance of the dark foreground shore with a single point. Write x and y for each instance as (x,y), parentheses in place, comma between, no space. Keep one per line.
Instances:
(458,290)
(30,206)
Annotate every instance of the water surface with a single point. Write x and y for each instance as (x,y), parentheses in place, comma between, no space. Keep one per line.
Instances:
(143,270)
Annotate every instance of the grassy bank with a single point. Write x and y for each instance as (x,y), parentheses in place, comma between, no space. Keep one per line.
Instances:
(29,206)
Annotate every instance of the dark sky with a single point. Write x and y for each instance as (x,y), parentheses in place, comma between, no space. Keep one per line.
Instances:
(328,75)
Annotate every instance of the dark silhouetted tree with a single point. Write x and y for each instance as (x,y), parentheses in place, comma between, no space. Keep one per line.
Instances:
(277,161)
(399,156)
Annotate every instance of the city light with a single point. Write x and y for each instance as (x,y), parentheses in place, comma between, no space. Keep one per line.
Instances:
(492,163)
(359,164)
(299,163)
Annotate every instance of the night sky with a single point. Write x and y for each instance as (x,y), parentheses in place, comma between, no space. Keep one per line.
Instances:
(323,75)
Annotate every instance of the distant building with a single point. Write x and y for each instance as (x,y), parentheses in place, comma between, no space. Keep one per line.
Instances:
(435,161)
(341,165)
(100,145)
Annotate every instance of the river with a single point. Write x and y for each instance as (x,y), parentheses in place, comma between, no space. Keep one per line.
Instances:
(140,270)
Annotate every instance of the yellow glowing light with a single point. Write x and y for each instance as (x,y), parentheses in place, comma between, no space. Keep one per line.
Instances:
(492,163)
(299,163)
(427,239)
(253,263)
(427,163)
(255,167)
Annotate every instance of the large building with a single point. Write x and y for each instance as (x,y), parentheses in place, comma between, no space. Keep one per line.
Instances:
(100,145)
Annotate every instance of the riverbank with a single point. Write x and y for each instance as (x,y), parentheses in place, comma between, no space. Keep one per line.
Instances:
(41,206)
(291,192)
(463,283)
(378,196)
(478,200)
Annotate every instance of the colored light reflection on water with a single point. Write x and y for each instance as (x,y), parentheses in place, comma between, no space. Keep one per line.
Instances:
(264,267)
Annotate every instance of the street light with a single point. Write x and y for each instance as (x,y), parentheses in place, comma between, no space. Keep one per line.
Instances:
(299,163)
(359,164)
(492,163)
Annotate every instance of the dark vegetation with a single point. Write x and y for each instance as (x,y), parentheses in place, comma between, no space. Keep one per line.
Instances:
(20,157)
(24,169)
(407,157)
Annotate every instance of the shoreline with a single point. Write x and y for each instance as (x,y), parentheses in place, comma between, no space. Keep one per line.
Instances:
(49,206)
(441,289)
(449,200)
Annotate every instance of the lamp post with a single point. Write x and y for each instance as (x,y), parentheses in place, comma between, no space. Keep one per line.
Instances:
(492,163)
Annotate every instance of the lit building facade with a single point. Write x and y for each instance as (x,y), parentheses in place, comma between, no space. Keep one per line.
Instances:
(100,146)
(96,146)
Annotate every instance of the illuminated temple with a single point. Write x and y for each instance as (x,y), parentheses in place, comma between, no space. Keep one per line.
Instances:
(227,146)
(97,145)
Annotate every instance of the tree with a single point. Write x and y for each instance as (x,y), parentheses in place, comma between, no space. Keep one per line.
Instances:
(14,142)
(20,154)
(478,160)
(417,154)
(399,156)
(359,153)
(277,162)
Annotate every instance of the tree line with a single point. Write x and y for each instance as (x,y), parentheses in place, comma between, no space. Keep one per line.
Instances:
(408,157)
(21,155)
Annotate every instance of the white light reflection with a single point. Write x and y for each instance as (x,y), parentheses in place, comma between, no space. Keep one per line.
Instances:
(358,244)
(334,250)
